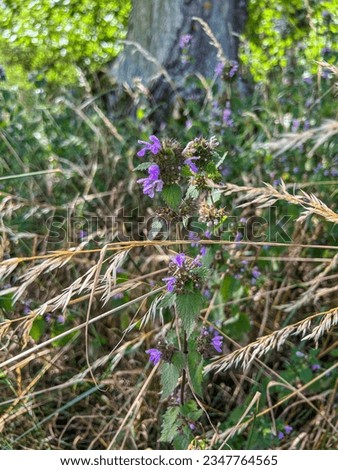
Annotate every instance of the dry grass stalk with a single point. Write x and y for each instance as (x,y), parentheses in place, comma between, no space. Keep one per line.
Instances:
(289,140)
(269,195)
(306,297)
(247,354)
(213,40)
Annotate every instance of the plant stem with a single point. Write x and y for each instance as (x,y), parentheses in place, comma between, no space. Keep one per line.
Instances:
(184,373)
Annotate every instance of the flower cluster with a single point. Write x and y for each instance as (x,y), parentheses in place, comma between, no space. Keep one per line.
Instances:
(184,45)
(209,341)
(199,152)
(211,215)
(185,41)
(170,163)
(227,70)
(227,116)
(185,274)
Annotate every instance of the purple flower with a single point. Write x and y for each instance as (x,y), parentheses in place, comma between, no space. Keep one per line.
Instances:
(82,234)
(196,262)
(219,69)
(255,272)
(171,282)
(227,119)
(300,354)
(288,429)
(226,171)
(295,125)
(191,164)
(60,319)
(203,251)
(280,435)
(307,80)
(325,74)
(179,260)
(188,124)
(207,293)
(238,237)
(192,426)
(233,69)
(308,102)
(185,40)
(152,183)
(207,234)
(315,367)
(217,342)
(195,238)
(26,308)
(154,147)
(117,296)
(154,356)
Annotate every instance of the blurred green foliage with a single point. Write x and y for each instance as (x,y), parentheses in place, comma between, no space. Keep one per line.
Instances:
(275,30)
(50,38)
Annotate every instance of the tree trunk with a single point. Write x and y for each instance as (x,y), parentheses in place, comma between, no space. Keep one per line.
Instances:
(153,53)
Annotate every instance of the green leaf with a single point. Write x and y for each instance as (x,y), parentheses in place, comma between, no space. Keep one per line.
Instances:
(227,287)
(157,227)
(172,195)
(170,424)
(190,411)
(183,439)
(195,367)
(6,302)
(38,328)
(168,300)
(143,166)
(238,325)
(178,360)
(169,376)
(188,307)
(192,192)
(202,271)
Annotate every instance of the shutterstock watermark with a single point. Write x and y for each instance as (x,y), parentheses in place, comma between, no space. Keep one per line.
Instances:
(130,226)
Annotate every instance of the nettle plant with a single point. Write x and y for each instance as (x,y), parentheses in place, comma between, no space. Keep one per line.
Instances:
(183,179)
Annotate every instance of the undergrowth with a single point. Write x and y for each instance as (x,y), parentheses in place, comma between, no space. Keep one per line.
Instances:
(212,252)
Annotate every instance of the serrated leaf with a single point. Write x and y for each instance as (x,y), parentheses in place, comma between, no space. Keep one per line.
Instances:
(183,439)
(192,192)
(155,229)
(202,271)
(172,195)
(227,287)
(238,326)
(170,424)
(170,374)
(188,307)
(215,196)
(195,367)
(178,360)
(191,411)
(167,301)
(143,166)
